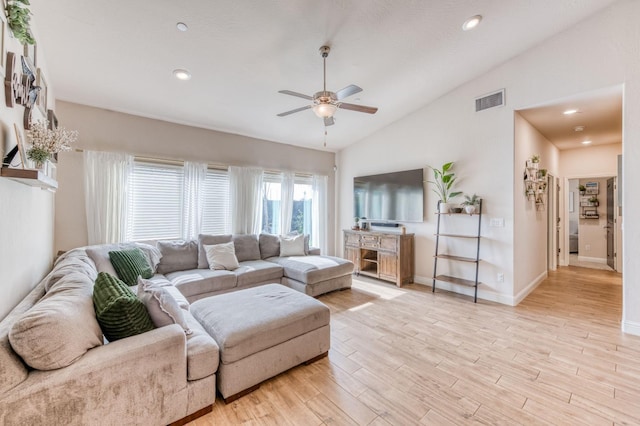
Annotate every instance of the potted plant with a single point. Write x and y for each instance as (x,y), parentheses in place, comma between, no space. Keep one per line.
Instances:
(582,189)
(534,161)
(46,142)
(18,18)
(443,180)
(356,227)
(594,201)
(470,203)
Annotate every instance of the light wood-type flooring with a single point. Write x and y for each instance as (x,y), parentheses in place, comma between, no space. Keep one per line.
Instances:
(407,356)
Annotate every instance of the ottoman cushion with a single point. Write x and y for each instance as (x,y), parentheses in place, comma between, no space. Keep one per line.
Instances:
(248,321)
(313,269)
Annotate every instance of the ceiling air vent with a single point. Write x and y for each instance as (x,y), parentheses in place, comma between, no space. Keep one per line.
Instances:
(489,101)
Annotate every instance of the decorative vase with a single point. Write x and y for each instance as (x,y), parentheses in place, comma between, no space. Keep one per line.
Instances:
(444,207)
(470,209)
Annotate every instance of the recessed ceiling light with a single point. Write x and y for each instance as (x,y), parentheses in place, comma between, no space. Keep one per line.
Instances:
(586,142)
(181,26)
(570,111)
(181,74)
(579,128)
(471,23)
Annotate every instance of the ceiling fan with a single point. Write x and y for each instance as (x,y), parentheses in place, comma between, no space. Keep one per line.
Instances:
(324,104)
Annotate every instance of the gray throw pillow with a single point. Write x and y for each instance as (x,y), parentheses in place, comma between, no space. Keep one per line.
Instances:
(246,247)
(177,256)
(162,307)
(269,245)
(209,240)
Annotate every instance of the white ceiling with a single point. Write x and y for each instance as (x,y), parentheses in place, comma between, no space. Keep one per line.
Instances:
(120,54)
(599,112)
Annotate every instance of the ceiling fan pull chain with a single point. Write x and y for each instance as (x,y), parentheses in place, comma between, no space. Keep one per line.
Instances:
(325,136)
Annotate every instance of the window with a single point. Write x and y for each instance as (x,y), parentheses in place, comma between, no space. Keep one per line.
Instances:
(216,215)
(155,202)
(302,204)
(271,203)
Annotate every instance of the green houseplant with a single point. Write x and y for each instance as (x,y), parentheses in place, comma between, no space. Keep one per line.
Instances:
(443,180)
(470,203)
(582,189)
(18,18)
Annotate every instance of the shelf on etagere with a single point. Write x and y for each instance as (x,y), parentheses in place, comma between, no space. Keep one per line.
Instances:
(31,177)
(455,280)
(458,236)
(458,258)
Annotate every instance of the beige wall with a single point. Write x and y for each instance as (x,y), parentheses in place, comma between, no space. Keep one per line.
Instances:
(113,131)
(482,144)
(26,213)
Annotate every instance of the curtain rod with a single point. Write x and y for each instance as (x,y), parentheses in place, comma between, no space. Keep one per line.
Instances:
(216,166)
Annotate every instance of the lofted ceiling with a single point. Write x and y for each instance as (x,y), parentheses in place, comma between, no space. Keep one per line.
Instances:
(120,54)
(598,113)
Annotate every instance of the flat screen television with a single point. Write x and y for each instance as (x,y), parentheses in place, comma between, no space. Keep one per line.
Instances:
(397,196)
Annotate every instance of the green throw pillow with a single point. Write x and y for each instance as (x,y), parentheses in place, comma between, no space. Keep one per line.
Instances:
(129,264)
(119,312)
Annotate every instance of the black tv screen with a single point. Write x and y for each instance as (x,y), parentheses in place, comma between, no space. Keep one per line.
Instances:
(395,196)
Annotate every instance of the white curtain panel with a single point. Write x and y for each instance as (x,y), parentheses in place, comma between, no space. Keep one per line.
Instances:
(319,213)
(245,193)
(105,190)
(286,204)
(193,198)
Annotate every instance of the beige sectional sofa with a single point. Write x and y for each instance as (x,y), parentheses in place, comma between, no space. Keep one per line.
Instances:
(57,369)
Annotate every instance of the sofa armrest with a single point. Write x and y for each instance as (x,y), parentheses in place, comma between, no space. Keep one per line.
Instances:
(140,377)
(314,251)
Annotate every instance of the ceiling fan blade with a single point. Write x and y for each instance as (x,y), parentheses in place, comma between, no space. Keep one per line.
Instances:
(351,89)
(359,108)
(300,95)
(282,114)
(329,121)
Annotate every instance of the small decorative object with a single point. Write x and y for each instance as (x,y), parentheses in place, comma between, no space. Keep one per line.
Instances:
(43,96)
(470,203)
(365,224)
(582,189)
(443,180)
(3,43)
(455,209)
(356,227)
(594,201)
(46,142)
(19,17)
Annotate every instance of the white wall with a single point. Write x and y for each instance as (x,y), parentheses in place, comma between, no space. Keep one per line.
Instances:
(113,131)
(483,143)
(530,230)
(26,213)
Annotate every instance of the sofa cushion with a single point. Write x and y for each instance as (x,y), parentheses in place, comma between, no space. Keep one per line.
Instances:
(257,271)
(247,247)
(130,264)
(177,256)
(292,245)
(269,245)
(202,281)
(208,240)
(222,256)
(60,327)
(203,354)
(119,312)
(313,269)
(100,255)
(278,314)
(162,307)
(162,281)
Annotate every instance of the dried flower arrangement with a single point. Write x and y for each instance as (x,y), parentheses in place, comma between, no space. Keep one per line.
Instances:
(46,142)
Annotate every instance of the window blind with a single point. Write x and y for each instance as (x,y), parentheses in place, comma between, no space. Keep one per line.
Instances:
(216,215)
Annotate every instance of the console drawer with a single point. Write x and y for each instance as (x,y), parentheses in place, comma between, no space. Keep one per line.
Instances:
(352,240)
(369,241)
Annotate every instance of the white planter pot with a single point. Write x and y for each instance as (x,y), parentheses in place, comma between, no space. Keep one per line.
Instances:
(470,209)
(445,207)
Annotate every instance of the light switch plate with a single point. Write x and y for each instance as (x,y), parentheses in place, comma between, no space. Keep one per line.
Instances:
(497,222)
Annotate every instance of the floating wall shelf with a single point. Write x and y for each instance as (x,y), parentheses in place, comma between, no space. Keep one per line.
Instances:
(30,177)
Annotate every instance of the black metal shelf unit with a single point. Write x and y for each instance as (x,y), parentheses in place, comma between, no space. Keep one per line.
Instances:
(450,257)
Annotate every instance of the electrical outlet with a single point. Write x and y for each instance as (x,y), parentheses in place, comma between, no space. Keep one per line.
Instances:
(500,277)
(497,222)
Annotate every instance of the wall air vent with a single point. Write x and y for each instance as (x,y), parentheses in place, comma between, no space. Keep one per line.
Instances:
(491,100)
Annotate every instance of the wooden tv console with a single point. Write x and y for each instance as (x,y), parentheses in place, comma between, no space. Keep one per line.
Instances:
(383,255)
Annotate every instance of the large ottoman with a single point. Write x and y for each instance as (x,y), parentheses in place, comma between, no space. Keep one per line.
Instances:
(262,331)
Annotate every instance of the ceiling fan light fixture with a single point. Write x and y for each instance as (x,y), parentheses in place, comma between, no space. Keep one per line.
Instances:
(324,110)
(182,74)
(471,23)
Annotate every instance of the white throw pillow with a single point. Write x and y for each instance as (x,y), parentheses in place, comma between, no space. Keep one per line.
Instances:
(222,256)
(291,245)
(162,307)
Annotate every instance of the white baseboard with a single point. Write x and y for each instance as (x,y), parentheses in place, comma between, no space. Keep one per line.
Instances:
(631,327)
(592,259)
(528,289)
(468,291)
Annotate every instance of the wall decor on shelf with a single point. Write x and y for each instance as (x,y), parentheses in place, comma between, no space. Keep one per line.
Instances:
(535,181)
(44,92)
(589,201)
(3,44)
(52,119)
(30,52)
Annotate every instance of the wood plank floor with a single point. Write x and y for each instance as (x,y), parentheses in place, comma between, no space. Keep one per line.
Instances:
(407,356)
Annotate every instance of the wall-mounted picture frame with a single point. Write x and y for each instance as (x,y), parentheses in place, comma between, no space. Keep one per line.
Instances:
(52,119)
(31,52)
(43,96)
(3,42)
(21,147)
